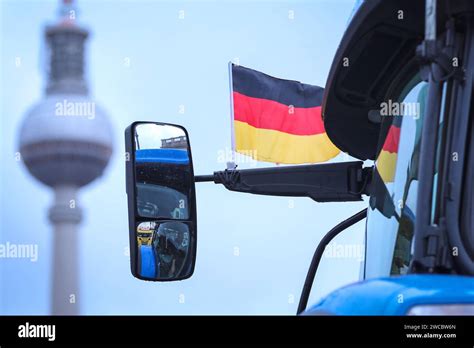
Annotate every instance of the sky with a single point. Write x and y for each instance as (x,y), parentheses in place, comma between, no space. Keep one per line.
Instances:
(167,61)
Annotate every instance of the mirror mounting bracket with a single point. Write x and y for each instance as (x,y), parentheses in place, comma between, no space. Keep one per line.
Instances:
(329,182)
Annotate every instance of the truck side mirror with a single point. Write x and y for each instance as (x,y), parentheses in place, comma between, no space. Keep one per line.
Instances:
(161,201)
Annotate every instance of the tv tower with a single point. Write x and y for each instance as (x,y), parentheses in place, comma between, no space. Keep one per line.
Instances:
(65,142)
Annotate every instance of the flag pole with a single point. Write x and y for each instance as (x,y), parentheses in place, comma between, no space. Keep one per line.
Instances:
(231,164)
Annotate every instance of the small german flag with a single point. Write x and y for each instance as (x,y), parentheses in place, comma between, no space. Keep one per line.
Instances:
(387,158)
(278,120)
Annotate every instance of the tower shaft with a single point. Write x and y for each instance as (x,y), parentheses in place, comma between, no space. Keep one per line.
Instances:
(65,217)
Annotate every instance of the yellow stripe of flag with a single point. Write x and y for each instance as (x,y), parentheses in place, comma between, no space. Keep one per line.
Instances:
(274,146)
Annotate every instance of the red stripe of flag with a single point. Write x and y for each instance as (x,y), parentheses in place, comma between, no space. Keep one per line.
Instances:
(269,114)
(392,140)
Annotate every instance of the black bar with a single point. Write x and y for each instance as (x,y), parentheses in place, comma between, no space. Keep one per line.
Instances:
(140,330)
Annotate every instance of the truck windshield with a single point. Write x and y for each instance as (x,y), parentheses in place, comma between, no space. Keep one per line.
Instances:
(392,205)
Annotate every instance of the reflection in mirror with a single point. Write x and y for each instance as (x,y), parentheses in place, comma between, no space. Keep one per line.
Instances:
(164,249)
(163,171)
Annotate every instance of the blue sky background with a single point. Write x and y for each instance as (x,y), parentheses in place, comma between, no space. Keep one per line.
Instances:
(173,62)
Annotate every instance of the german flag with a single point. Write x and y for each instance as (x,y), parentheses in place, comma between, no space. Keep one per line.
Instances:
(278,120)
(387,158)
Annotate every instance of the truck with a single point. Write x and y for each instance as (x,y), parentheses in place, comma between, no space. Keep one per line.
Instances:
(399,95)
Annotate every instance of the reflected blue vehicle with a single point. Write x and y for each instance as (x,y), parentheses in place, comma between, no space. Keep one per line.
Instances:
(163,249)
(169,156)
(148,266)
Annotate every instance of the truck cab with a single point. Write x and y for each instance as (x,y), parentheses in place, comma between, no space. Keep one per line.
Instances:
(405,103)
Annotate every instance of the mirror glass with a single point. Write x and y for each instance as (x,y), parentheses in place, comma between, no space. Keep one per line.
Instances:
(164,249)
(164,225)
(162,172)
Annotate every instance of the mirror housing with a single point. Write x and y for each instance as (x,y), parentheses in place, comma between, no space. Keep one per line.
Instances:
(161,201)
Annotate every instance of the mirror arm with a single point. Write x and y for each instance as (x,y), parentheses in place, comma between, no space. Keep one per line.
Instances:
(203,178)
(329,182)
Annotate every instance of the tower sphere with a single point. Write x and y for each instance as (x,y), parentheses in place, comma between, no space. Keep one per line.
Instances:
(66,139)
